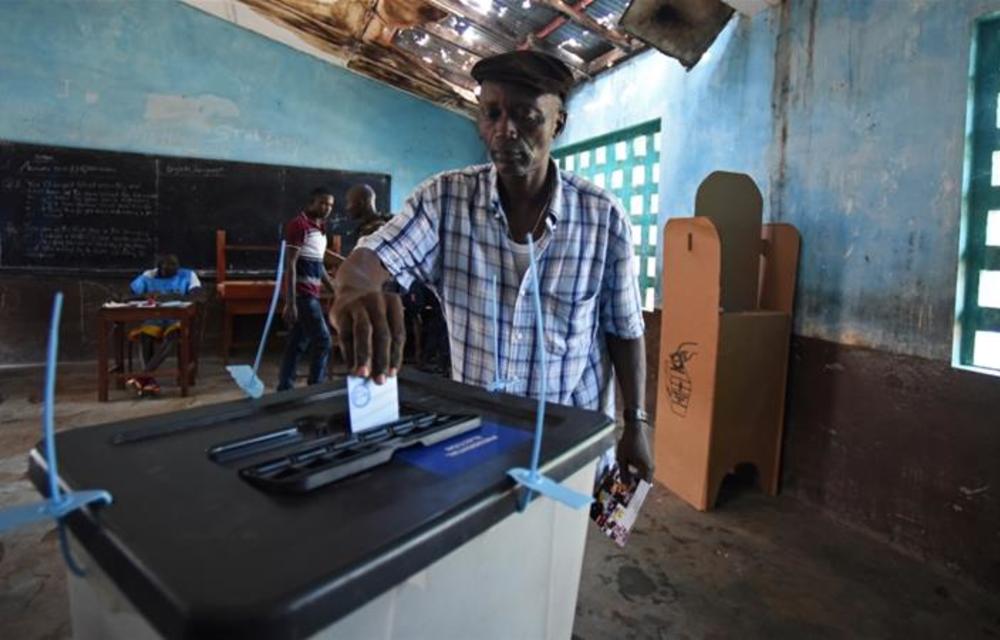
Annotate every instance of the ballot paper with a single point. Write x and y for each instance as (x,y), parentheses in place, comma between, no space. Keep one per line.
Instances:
(371,405)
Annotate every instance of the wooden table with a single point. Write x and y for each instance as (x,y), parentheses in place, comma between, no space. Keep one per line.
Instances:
(115,319)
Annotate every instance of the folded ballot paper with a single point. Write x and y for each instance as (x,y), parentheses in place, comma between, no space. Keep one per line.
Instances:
(616,504)
(371,405)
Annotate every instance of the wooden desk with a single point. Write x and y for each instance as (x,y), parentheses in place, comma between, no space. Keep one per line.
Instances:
(248,297)
(116,318)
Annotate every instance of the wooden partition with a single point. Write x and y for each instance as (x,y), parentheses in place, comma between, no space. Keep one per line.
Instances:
(724,341)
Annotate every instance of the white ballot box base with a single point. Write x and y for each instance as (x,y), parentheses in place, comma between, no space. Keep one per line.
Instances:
(517,580)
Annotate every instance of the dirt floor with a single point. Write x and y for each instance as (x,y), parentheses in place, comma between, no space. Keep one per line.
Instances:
(755,567)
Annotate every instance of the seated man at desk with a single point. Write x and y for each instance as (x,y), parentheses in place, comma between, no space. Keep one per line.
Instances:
(168,281)
(462,228)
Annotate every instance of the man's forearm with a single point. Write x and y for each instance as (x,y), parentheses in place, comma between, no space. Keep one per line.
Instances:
(362,271)
(290,277)
(327,280)
(629,360)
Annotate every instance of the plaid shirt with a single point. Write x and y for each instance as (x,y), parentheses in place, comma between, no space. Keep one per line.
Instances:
(452,235)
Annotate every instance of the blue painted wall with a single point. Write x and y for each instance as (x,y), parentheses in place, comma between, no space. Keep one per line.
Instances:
(618,99)
(716,116)
(871,171)
(158,76)
(850,116)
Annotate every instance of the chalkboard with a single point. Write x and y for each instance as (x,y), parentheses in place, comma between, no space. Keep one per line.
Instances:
(91,210)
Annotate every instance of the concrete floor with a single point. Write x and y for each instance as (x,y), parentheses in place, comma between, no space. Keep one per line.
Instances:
(754,568)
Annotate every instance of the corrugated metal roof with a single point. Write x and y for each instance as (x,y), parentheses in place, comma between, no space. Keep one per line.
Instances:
(441,39)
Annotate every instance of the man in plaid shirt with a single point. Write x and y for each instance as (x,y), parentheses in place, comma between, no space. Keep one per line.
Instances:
(460,229)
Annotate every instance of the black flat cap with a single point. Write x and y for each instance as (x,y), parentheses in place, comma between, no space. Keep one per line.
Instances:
(539,71)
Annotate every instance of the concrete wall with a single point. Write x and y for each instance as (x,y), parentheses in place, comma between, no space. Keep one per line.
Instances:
(716,116)
(158,76)
(621,98)
(870,114)
(850,116)
(869,119)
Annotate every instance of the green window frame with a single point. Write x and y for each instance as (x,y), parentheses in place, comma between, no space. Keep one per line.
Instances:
(627,163)
(978,299)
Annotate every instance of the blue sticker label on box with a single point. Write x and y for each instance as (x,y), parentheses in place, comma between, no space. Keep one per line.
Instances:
(465,451)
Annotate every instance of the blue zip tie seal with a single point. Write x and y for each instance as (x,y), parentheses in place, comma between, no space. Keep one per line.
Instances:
(530,478)
(59,504)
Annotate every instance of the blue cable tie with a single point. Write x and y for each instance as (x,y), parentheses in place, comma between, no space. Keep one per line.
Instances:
(530,478)
(59,504)
(498,384)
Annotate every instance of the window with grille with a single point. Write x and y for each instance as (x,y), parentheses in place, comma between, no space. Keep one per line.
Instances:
(978,308)
(627,163)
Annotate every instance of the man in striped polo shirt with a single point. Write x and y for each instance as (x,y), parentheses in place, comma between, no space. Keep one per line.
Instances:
(305,236)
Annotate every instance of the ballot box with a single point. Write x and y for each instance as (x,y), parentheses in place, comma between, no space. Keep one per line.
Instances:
(268,519)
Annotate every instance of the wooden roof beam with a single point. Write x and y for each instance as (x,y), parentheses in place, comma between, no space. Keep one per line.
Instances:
(503,36)
(494,28)
(450,36)
(584,20)
(560,20)
(607,60)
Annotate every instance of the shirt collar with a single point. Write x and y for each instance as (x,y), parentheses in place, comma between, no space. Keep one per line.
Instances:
(554,211)
(315,223)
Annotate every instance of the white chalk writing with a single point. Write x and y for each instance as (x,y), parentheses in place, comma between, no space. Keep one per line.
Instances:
(83,242)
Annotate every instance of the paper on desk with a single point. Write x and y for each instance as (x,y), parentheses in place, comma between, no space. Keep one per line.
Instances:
(371,405)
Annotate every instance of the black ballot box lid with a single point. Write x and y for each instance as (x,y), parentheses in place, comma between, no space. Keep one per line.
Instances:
(201,552)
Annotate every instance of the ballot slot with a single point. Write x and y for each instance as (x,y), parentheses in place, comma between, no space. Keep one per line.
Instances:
(325,462)
(219,419)
(304,431)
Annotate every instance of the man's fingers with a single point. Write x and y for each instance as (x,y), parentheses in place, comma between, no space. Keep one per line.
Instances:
(344,326)
(397,326)
(381,337)
(361,364)
(622,460)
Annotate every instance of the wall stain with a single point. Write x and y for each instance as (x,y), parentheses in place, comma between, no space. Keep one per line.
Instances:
(779,106)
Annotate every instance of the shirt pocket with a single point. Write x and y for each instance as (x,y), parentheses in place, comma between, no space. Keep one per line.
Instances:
(569,323)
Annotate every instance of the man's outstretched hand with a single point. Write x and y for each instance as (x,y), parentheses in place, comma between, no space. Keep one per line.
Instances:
(635,449)
(369,321)
(370,331)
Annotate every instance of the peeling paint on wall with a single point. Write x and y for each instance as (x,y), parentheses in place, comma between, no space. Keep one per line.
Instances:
(850,117)
(869,107)
(165,78)
(200,111)
(628,95)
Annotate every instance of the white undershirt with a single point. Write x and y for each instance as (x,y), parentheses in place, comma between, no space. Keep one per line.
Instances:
(522,258)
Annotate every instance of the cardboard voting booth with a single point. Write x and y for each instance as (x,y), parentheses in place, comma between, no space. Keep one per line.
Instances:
(728,289)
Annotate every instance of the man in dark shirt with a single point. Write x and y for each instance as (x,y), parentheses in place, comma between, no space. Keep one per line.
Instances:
(362,219)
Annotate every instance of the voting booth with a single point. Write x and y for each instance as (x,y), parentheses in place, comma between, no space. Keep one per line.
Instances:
(728,290)
(269,519)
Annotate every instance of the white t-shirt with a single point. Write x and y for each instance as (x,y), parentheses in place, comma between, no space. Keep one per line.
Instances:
(522,258)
